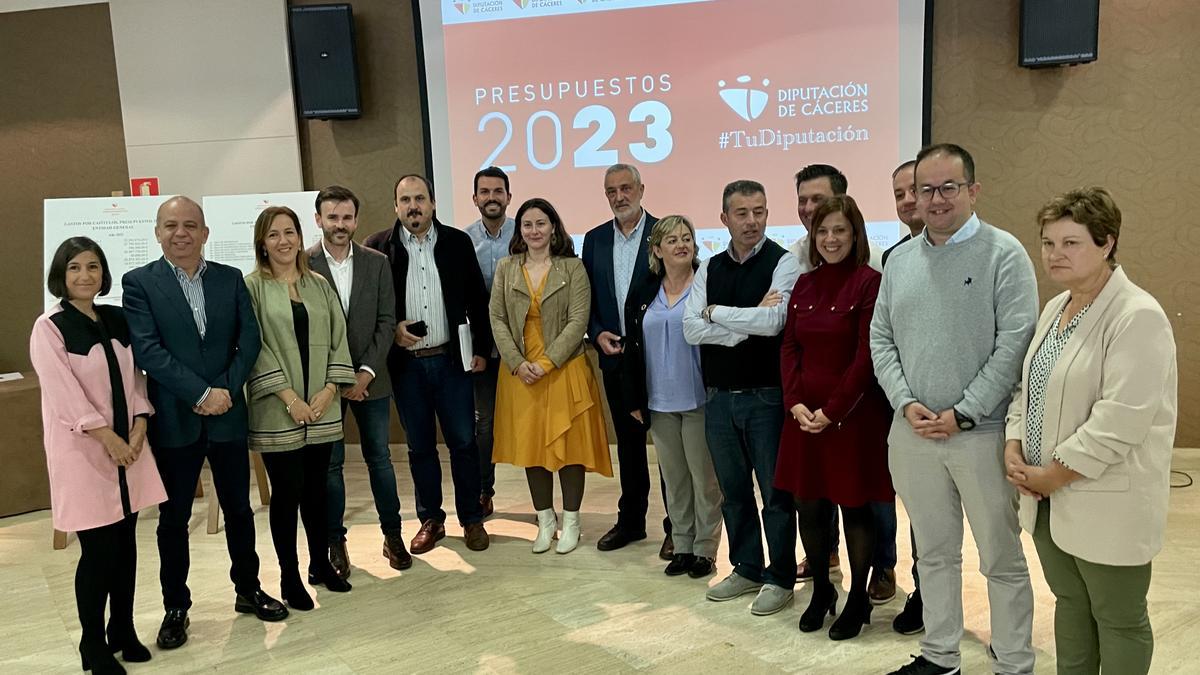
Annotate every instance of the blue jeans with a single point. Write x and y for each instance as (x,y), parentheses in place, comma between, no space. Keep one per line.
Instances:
(437,388)
(742,428)
(373,418)
(485,416)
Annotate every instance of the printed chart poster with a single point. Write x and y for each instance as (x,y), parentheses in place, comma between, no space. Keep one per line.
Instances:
(122,226)
(231,219)
(696,93)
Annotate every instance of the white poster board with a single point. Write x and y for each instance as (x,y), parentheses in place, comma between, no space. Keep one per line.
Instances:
(122,226)
(231,219)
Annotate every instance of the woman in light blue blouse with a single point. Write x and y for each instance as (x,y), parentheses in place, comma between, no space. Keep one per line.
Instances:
(662,380)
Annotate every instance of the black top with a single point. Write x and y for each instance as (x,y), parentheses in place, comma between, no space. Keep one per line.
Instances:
(300,323)
(754,362)
(893,247)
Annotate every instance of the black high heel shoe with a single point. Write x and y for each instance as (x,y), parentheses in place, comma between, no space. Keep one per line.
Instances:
(855,614)
(98,659)
(329,579)
(824,599)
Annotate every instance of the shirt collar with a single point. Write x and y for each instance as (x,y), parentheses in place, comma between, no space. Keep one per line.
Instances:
(968,230)
(430,235)
(183,275)
(637,231)
(334,261)
(753,252)
(500,236)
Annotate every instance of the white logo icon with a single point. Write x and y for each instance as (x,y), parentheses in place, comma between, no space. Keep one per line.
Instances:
(747,103)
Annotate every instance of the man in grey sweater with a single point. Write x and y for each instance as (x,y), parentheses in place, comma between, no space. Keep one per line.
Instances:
(955,314)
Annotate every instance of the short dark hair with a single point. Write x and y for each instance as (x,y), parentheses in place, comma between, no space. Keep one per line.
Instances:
(561,244)
(740,187)
(56,278)
(490,172)
(337,194)
(953,150)
(845,205)
(423,179)
(903,166)
(837,179)
(1091,207)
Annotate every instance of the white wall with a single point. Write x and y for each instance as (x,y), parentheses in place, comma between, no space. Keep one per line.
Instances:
(206,94)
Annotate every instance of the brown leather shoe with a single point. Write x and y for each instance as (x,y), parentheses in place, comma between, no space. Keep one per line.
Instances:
(485,505)
(477,537)
(667,551)
(804,572)
(340,559)
(431,533)
(394,551)
(882,587)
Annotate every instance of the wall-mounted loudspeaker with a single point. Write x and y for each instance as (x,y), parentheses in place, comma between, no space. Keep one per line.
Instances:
(323,63)
(1059,32)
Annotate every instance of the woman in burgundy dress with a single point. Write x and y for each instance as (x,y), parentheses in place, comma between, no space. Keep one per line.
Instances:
(833,451)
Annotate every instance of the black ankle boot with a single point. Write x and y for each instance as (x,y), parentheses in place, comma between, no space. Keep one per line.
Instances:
(294,593)
(824,599)
(324,575)
(125,640)
(856,613)
(96,657)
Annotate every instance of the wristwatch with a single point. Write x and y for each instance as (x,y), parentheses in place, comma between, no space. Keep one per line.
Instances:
(964,423)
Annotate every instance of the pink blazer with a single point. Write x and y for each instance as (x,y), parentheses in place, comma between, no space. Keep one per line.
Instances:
(69,358)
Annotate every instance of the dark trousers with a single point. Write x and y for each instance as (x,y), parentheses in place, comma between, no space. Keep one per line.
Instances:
(298,480)
(180,470)
(433,390)
(485,417)
(374,425)
(743,429)
(632,461)
(106,574)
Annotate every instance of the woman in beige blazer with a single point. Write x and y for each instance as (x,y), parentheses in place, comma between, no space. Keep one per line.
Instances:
(548,416)
(1089,439)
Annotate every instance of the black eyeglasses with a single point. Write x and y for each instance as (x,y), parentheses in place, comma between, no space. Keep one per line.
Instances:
(946,190)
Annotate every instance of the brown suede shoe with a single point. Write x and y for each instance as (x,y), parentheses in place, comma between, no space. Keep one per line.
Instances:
(882,587)
(340,559)
(477,537)
(394,551)
(486,506)
(431,533)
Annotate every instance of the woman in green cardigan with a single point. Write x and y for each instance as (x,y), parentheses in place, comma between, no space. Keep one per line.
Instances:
(293,392)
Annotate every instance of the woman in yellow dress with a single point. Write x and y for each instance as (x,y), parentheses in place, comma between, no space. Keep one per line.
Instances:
(548,416)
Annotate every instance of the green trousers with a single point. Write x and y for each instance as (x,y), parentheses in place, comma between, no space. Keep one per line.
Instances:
(1100,618)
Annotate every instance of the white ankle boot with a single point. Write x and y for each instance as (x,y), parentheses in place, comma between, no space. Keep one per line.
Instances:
(547,524)
(570,532)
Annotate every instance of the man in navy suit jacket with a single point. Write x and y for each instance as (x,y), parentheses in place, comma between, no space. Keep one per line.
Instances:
(194,333)
(615,254)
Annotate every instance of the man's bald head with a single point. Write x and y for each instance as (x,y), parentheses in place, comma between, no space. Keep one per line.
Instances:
(177,203)
(181,232)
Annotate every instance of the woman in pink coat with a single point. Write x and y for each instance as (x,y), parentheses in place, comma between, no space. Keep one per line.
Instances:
(94,411)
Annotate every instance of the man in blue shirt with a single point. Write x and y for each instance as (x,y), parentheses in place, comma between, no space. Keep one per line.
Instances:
(491,235)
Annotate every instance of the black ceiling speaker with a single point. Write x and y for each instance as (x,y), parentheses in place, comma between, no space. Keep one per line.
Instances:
(323,63)
(1059,32)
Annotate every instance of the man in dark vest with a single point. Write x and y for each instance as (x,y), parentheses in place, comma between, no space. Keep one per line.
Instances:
(736,312)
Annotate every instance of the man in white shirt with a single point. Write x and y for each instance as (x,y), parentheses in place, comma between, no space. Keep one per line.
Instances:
(362,279)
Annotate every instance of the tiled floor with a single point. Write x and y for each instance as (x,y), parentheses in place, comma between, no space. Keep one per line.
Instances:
(506,610)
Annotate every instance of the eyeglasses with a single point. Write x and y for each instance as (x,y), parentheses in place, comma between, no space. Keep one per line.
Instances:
(946,190)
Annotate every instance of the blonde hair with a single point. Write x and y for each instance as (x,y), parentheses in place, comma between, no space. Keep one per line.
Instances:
(660,231)
(262,225)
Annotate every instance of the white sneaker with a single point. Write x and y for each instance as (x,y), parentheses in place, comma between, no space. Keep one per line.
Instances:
(547,526)
(732,586)
(771,599)
(569,539)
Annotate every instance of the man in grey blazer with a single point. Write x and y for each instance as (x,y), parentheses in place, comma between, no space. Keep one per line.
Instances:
(362,279)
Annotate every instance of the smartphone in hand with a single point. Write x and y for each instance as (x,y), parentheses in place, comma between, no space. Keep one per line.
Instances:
(418,328)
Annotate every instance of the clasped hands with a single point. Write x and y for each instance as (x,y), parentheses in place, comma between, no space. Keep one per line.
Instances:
(928,424)
(1038,482)
(812,422)
(218,402)
(309,412)
(529,373)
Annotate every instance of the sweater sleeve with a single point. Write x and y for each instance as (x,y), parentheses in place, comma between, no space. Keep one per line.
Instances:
(884,354)
(267,376)
(789,358)
(1016,307)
